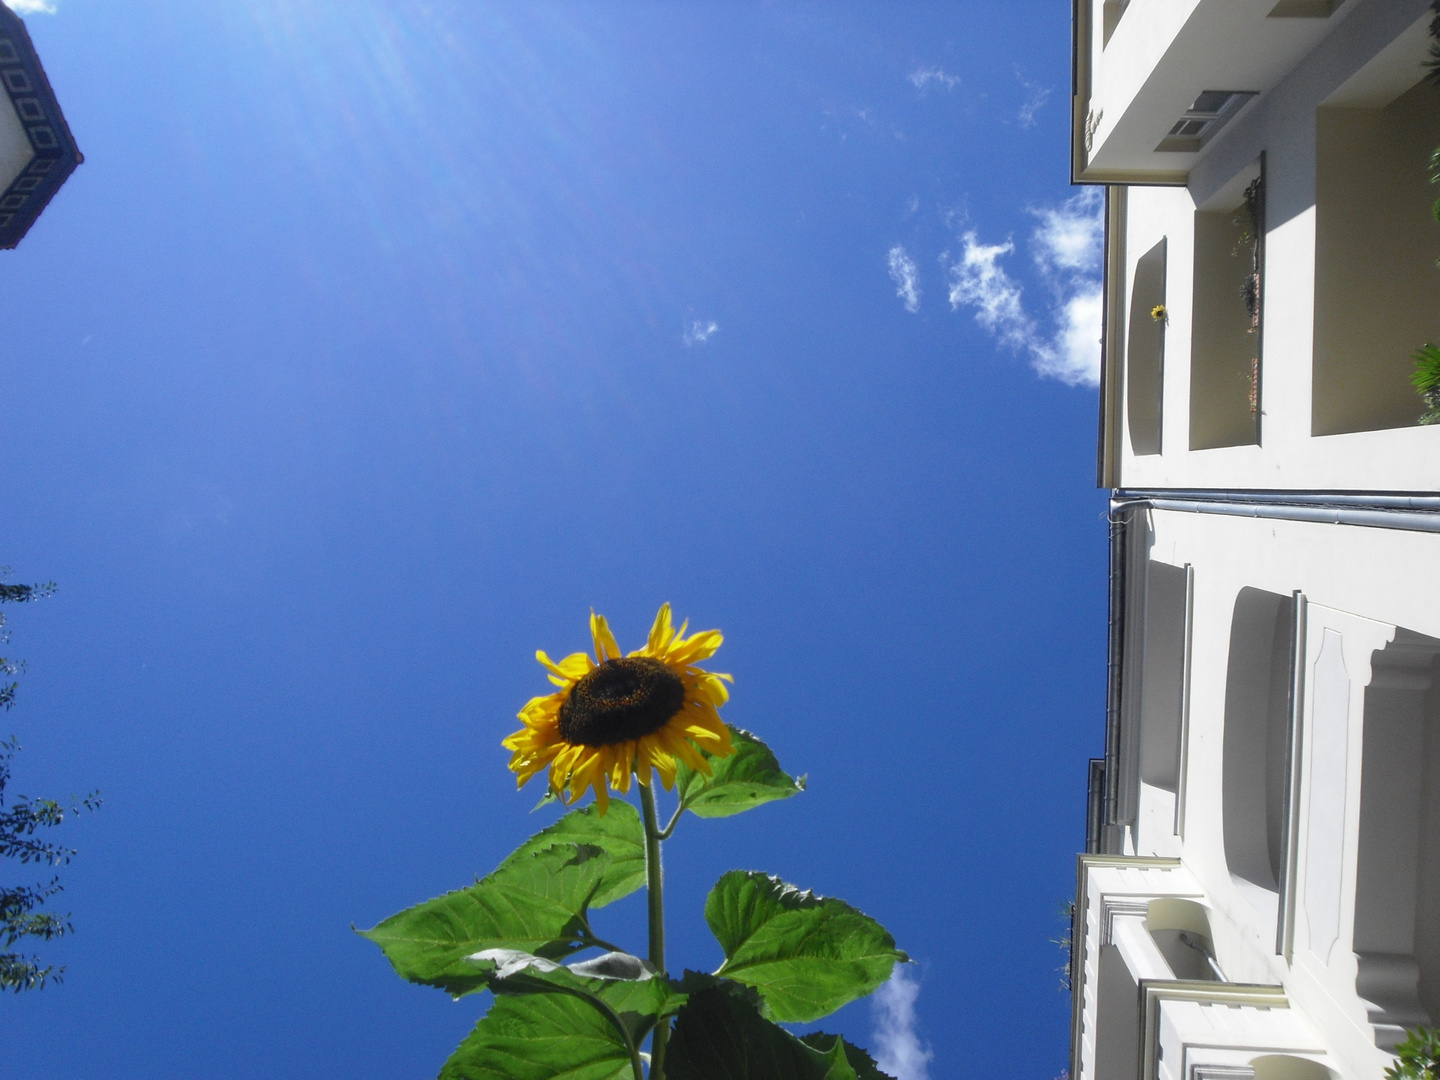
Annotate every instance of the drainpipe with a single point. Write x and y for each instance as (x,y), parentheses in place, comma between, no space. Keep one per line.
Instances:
(1119,519)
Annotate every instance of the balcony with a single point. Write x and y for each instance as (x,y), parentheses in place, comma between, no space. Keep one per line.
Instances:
(37,152)
(1157,80)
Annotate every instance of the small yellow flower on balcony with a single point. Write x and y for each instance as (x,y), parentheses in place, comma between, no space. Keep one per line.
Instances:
(1159,313)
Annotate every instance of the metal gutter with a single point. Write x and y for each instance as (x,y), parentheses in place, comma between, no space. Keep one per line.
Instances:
(1412,513)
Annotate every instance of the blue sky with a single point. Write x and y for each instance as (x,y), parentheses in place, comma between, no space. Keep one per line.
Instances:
(376,342)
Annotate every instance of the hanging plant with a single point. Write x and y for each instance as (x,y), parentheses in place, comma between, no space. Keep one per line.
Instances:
(617,721)
(1251,222)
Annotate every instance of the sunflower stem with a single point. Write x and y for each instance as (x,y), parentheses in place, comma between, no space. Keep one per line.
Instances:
(587,939)
(674,820)
(655,893)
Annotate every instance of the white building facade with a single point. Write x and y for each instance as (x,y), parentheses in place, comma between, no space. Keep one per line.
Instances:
(1261,892)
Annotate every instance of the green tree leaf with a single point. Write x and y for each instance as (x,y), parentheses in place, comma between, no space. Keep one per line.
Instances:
(720,1035)
(806,954)
(618,833)
(548,1023)
(746,779)
(535,904)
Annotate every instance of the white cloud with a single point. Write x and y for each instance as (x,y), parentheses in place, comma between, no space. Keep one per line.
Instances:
(31,7)
(699,331)
(1071,235)
(899,1051)
(978,279)
(1036,96)
(906,276)
(924,76)
(1074,356)
(1067,247)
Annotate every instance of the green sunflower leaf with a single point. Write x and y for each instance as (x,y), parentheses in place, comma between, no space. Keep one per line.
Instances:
(807,955)
(547,1023)
(746,779)
(720,1035)
(618,834)
(859,1059)
(533,904)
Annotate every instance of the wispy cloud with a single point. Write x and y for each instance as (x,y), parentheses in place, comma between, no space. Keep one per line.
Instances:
(899,1049)
(699,331)
(906,276)
(979,280)
(1035,97)
(1066,246)
(31,7)
(924,76)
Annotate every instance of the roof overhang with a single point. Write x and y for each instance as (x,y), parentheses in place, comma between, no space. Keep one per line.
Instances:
(37,151)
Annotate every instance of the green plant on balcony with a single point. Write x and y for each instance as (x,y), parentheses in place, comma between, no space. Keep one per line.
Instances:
(1418,1056)
(1426,375)
(1426,378)
(1250,220)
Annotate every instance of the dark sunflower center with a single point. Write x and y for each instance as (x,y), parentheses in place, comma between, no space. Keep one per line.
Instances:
(621,700)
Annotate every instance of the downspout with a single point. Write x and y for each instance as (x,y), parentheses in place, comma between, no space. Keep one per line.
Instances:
(1119,519)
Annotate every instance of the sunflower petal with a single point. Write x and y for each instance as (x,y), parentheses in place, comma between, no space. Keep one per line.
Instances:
(562,769)
(527,771)
(573,667)
(700,645)
(660,634)
(621,766)
(540,710)
(644,755)
(710,687)
(665,766)
(675,742)
(605,645)
(588,765)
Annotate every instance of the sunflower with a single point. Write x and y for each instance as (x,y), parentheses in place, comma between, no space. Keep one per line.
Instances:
(616,716)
